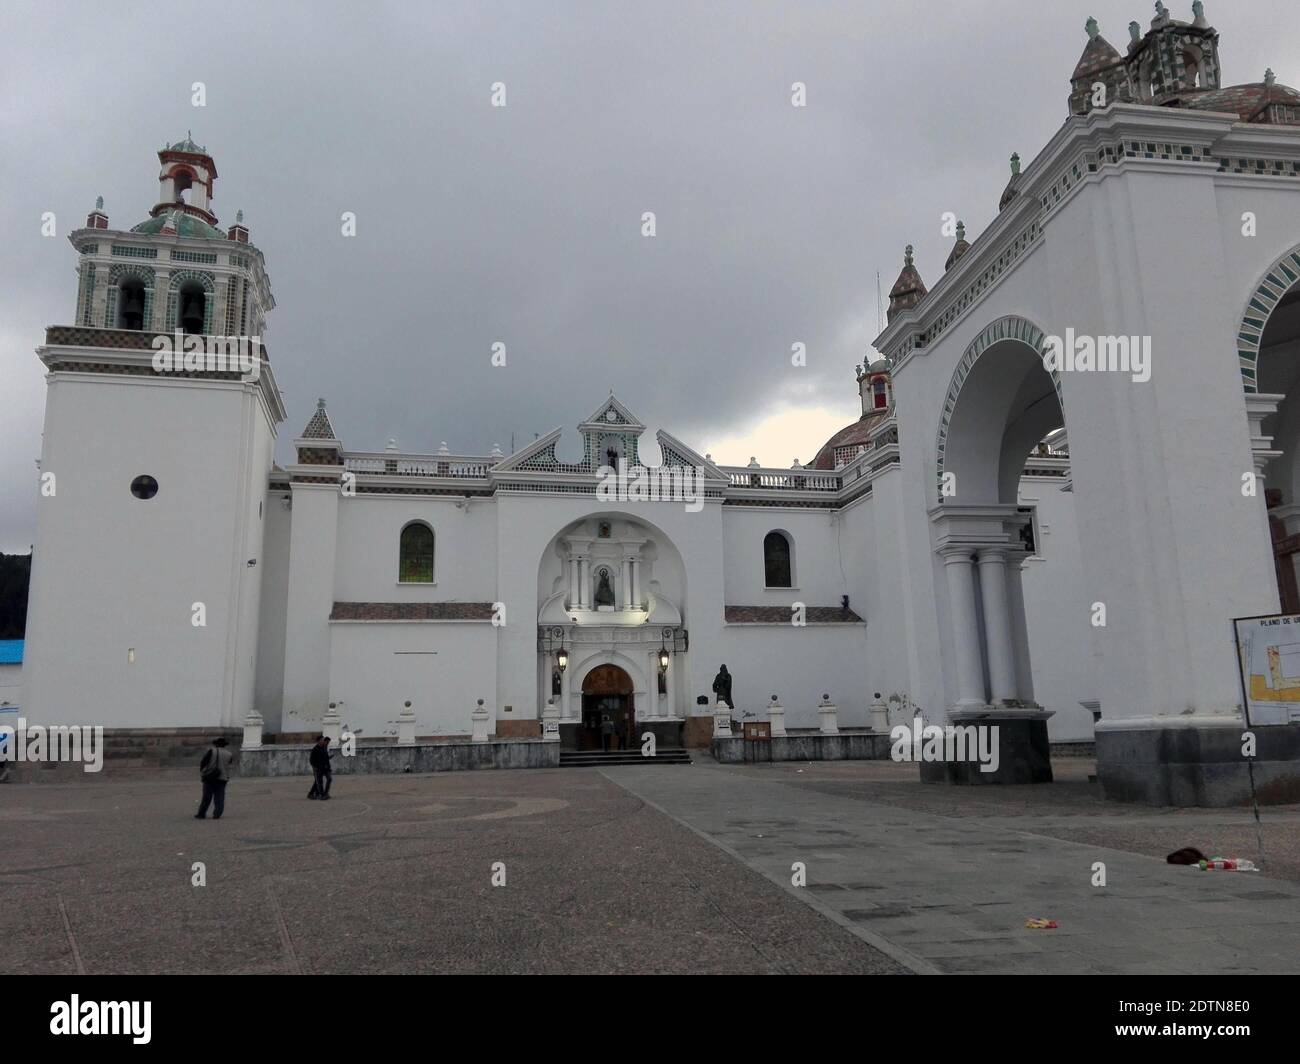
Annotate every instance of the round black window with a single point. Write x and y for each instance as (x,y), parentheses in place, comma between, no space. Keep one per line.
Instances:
(144,487)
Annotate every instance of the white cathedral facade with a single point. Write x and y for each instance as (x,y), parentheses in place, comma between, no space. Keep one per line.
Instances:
(955,548)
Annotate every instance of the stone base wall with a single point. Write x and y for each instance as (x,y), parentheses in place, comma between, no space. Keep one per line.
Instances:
(132,751)
(1199,766)
(285,760)
(847,746)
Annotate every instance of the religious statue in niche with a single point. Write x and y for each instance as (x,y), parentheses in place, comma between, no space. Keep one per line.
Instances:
(604,530)
(722,687)
(604,590)
(555,682)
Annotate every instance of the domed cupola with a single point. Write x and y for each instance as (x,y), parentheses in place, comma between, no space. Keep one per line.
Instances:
(185,188)
(908,290)
(958,249)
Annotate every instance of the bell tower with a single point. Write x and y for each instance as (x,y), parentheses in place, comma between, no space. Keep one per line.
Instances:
(146,573)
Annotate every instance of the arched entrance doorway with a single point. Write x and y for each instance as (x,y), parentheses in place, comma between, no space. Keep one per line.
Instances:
(607,697)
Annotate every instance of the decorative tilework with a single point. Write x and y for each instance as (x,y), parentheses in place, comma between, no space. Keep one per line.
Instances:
(1281,276)
(88,295)
(194,256)
(131,251)
(1011,327)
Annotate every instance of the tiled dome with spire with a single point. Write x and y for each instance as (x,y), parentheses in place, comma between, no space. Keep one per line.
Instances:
(1098,54)
(186,145)
(1013,186)
(958,249)
(908,290)
(319,427)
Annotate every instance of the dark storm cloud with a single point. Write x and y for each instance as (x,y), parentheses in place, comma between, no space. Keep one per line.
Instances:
(523,224)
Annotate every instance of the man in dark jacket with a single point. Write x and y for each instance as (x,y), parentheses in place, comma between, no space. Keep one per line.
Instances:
(320,765)
(214,770)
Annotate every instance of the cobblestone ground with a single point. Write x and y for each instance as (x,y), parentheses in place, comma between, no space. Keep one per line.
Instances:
(394,874)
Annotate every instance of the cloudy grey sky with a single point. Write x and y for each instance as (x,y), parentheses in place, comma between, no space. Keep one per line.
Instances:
(523,224)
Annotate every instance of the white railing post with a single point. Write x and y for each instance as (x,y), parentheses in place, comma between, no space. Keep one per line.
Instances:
(406,726)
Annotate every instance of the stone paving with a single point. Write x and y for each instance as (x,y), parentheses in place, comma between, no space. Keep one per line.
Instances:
(393,875)
(944,878)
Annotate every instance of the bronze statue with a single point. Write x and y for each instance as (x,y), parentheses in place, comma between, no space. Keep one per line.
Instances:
(722,687)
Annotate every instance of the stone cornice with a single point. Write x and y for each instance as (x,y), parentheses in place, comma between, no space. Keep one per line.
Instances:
(1086,148)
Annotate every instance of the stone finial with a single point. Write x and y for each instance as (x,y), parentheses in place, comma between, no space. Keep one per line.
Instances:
(907,255)
(99,203)
(442,448)
(1015,163)
(796,465)
(392,444)
(961,230)
(320,405)
(1162,13)
(1198,14)
(1134,33)
(1091,28)
(1269,77)
(753,463)
(239,216)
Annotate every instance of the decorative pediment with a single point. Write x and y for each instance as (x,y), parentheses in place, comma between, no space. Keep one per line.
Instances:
(677,453)
(613,414)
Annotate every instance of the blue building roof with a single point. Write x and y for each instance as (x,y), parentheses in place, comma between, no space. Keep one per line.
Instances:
(11,651)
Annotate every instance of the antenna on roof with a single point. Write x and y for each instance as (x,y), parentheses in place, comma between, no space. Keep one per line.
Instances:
(879,306)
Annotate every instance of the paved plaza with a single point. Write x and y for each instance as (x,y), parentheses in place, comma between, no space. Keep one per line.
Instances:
(639,869)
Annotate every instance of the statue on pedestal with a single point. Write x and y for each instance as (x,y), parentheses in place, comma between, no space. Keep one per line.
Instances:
(722,687)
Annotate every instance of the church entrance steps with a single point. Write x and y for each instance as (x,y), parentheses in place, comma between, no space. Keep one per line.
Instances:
(603,758)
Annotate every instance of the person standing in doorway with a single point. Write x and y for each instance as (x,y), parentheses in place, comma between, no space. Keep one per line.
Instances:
(320,765)
(214,771)
(606,733)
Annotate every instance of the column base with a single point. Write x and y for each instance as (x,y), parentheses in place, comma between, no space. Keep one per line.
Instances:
(1023,752)
(1183,762)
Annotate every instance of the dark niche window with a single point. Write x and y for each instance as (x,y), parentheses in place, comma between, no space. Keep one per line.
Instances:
(415,565)
(776,560)
(144,487)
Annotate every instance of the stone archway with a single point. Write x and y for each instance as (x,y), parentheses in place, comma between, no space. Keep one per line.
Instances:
(1002,401)
(1268,352)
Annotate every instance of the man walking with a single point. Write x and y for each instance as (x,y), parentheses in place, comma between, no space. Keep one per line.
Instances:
(320,765)
(214,770)
(606,733)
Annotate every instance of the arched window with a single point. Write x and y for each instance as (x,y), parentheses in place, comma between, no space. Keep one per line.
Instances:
(130,304)
(777,567)
(182,182)
(193,307)
(881,400)
(415,562)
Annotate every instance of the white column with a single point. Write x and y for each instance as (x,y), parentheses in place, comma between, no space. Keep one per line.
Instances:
(573,583)
(625,585)
(584,582)
(636,583)
(1019,627)
(965,630)
(997,624)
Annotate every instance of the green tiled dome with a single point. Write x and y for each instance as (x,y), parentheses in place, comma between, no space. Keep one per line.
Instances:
(186,225)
